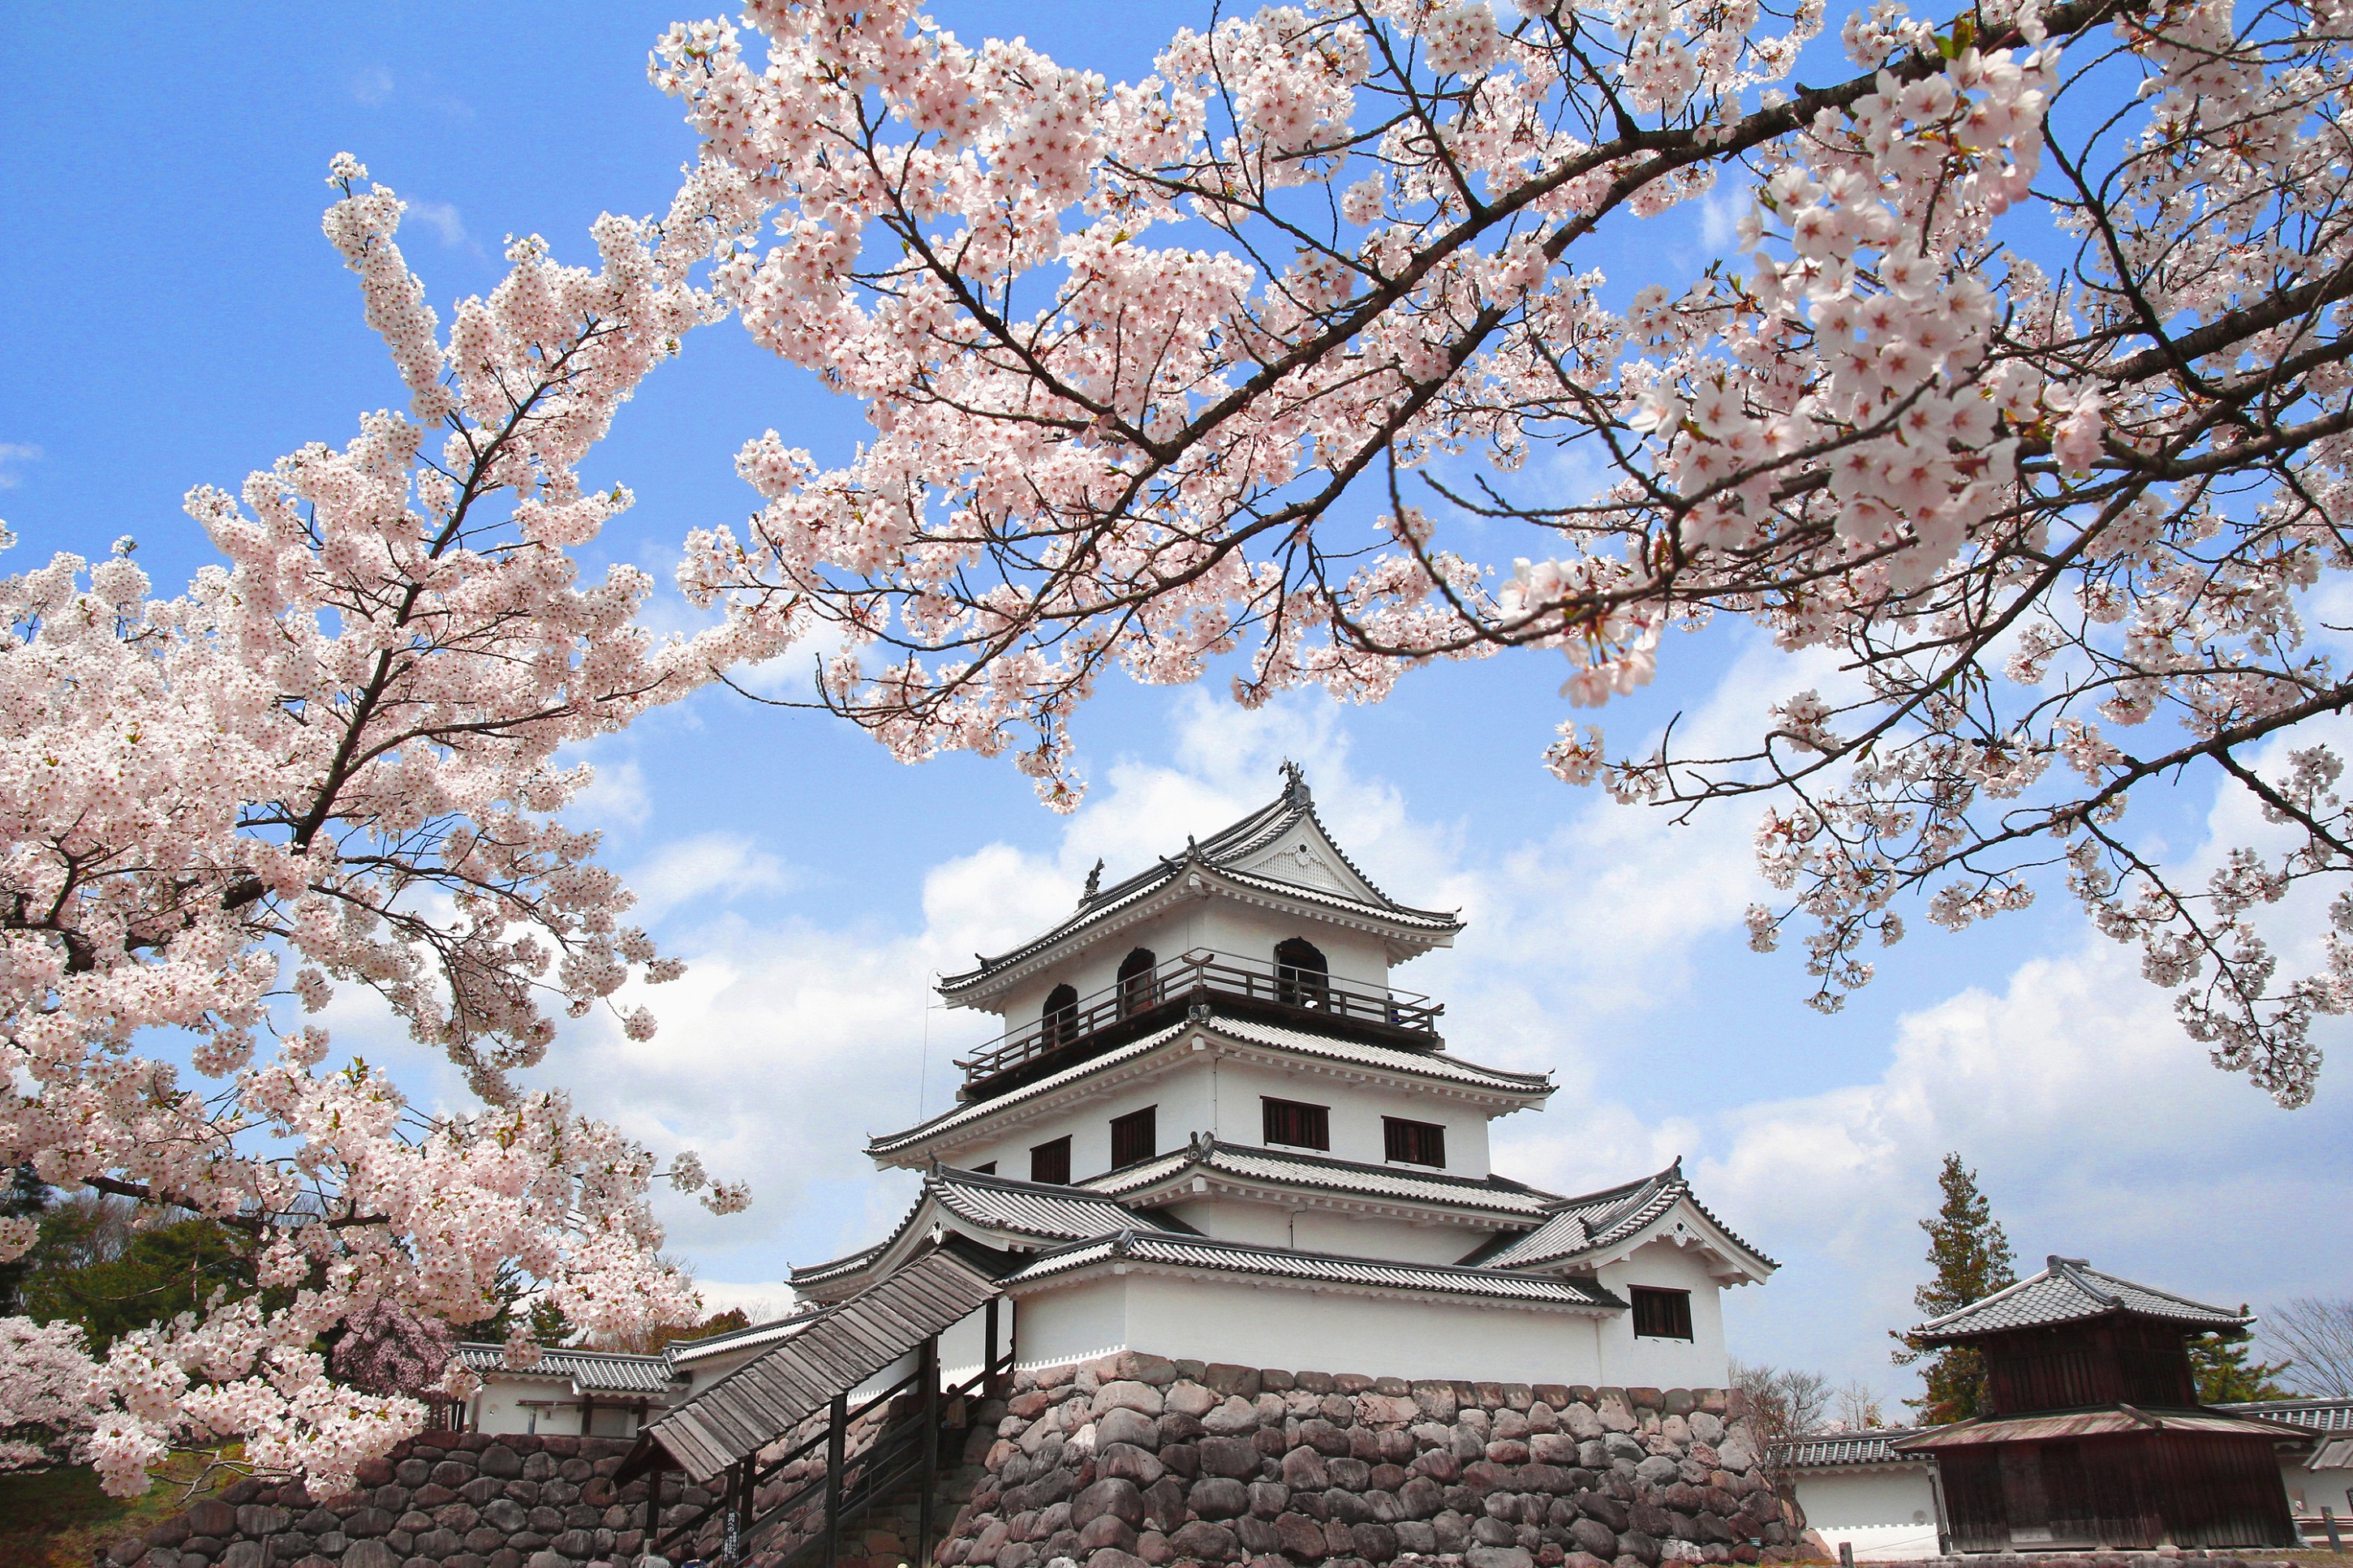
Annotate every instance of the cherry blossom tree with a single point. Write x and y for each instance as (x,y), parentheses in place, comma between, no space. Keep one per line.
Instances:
(332,764)
(2024,400)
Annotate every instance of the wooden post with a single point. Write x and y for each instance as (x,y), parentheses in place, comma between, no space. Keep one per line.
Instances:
(929,1365)
(588,1412)
(1846,1554)
(2328,1524)
(731,1535)
(836,1439)
(988,1348)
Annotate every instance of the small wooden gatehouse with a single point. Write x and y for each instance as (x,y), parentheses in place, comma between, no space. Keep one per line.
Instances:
(2097,1437)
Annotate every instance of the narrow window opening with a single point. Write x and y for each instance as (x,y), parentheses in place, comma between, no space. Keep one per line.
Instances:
(1662,1315)
(1298,1125)
(1052,1162)
(1062,1016)
(1303,976)
(1131,1136)
(1413,1143)
(1138,987)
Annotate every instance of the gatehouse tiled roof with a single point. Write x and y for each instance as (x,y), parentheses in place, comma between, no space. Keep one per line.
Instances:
(1222,852)
(1494,1196)
(2319,1415)
(591,1372)
(2071,1290)
(1315,1267)
(1823,1449)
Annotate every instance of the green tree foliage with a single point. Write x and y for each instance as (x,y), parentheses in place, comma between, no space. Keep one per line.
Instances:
(93,1268)
(1969,1259)
(24,1196)
(2224,1374)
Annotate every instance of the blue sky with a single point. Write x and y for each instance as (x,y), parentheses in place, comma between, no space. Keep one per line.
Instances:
(170,315)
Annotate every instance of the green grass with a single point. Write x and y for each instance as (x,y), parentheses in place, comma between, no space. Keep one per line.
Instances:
(59,1519)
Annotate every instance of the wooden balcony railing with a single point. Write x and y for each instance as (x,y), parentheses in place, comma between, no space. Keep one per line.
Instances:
(1201,970)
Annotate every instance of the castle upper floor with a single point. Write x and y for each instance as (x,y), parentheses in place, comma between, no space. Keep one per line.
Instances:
(1270,912)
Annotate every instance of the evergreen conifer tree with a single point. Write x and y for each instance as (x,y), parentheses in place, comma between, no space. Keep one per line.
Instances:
(2224,1376)
(1970,1259)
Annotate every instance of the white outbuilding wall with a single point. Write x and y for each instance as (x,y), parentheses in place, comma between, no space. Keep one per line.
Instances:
(1887,1512)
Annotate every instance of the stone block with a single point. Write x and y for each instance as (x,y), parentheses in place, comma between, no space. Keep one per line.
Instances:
(500,1461)
(1106,1534)
(1112,1496)
(369,1555)
(1232,1456)
(1387,1409)
(1175,1427)
(1642,1548)
(1513,1556)
(1182,1460)
(211,1517)
(1163,1503)
(171,1532)
(1126,1394)
(1205,1542)
(1222,1377)
(1234,1414)
(1127,1462)
(1299,1537)
(1218,1497)
(1313,1382)
(1121,1424)
(1324,1436)
(1190,1398)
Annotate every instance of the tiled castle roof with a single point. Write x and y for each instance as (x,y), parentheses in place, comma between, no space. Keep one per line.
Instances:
(1317,1268)
(1600,1220)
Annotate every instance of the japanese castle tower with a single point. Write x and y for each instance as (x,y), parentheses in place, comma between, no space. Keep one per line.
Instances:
(1213,1130)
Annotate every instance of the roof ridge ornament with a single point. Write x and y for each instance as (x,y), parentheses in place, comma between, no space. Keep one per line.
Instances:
(1294,783)
(1094,883)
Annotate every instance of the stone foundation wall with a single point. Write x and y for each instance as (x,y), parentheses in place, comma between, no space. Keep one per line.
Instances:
(447,1500)
(1140,1460)
(1131,1461)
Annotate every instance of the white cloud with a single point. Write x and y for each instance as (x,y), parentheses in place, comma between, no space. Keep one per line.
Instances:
(372,86)
(11,453)
(442,217)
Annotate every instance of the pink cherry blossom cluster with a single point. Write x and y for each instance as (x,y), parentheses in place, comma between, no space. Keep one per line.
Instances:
(332,761)
(1976,402)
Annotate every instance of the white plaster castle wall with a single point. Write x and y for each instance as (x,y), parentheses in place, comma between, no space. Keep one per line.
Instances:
(1357,1113)
(1351,1236)
(1630,1362)
(1214,1095)
(506,1405)
(1215,1321)
(1885,1513)
(1182,1096)
(1276,1224)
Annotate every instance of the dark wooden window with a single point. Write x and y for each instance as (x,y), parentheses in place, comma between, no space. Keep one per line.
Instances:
(1061,1019)
(1414,1143)
(1131,1136)
(1136,982)
(1303,976)
(988,1170)
(1052,1162)
(1662,1315)
(1301,1126)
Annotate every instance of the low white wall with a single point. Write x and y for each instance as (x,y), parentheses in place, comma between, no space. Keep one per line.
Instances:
(1885,1512)
(510,1405)
(1262,1326)
(2309,1491)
